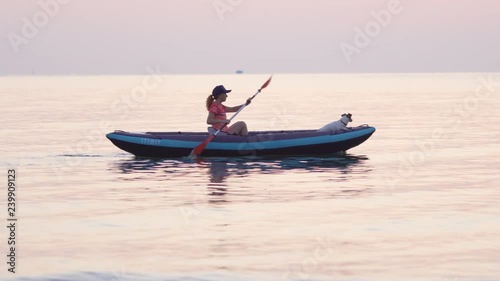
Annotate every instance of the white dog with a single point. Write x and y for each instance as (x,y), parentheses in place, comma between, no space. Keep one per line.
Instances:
(337,126)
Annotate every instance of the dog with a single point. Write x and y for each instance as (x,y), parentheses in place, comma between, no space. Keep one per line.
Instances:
(337,126)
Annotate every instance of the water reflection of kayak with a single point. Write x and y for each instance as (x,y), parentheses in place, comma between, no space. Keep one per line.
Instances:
(264,143)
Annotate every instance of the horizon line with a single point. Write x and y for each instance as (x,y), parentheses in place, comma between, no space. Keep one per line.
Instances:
(243,74)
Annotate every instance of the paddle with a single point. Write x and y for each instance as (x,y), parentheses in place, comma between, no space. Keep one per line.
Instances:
(199,149)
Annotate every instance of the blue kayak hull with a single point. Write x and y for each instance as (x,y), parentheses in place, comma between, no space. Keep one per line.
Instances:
(264,143)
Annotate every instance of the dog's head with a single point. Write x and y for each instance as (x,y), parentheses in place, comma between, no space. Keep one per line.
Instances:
(346,118)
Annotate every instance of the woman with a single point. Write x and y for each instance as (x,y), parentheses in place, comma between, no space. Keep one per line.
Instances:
(217,113)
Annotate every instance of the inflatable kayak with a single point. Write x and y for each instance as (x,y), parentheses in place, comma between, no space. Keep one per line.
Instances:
(259,143)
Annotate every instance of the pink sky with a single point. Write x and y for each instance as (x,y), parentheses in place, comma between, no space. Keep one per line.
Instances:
(258,36)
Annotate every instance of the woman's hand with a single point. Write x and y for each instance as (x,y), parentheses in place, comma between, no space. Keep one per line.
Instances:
(227,121)
(248,101)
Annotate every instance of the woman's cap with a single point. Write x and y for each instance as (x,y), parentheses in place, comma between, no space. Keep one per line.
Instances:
(219,90)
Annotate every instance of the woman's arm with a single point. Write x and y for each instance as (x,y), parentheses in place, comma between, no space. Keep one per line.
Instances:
(232,109)
(211,119)
(236,108)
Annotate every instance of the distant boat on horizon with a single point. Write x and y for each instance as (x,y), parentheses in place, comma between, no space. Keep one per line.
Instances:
(239,71)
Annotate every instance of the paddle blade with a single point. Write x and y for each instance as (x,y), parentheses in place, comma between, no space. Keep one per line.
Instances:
(267,82)
(199,149)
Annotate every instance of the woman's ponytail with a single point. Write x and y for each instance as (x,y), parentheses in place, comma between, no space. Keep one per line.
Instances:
(210,100)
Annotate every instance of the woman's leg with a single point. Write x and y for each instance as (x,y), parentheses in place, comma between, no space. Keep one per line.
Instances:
(239,128)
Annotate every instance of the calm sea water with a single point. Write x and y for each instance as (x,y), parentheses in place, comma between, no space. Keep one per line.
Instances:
(418,201)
